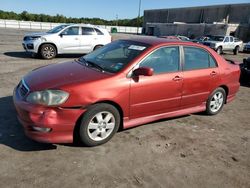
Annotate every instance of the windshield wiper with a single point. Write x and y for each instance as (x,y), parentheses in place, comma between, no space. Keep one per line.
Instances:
(92,64)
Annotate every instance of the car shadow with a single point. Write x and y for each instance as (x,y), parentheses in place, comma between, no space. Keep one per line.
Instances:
(11,131)
(245,84)
(19,54)
(24,54)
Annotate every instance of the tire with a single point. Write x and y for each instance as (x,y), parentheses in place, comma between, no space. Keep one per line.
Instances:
(219,50)
(97,47)
(236,50)
(216,101)
(99,123)
(48,51)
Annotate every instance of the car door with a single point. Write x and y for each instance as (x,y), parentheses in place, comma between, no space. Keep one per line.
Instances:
(226,44)
(232,44)
(200,76)
(69,40)
(160,93)
(88,39)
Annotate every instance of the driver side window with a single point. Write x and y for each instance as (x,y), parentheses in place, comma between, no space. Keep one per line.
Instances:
(226,39)
(163,60)
(71,31)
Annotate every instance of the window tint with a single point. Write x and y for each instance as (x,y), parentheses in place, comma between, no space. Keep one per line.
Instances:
(163,60)
(88,31)
(212,62)
(98,31)
(226,39)
(231,39)
(71,31)
(195,58)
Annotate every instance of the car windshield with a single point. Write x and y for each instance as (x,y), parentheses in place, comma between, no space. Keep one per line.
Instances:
(216,38)
(57,29)
(115,56)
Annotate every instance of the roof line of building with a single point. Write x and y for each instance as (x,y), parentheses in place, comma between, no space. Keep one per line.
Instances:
(198,7)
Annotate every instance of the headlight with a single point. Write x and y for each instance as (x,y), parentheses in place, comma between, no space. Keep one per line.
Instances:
(43,39)
(35,38)
(48,97)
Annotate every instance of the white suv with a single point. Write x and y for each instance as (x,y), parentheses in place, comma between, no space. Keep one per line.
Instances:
(66,39)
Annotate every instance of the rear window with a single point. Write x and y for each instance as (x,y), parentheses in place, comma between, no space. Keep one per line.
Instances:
(98,31)
(197,58)
(88,31)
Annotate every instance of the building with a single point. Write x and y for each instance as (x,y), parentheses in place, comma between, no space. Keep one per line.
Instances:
(233,19)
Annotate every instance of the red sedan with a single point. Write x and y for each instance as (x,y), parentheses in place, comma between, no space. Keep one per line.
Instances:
(123,84)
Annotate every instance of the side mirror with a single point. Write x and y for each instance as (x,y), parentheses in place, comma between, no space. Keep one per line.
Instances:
(61,35)
(145,71)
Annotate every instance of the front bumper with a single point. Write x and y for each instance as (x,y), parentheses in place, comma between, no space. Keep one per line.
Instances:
(60,121)
(31,45)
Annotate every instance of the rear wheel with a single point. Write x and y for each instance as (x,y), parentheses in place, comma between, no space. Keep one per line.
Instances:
(99,124)
(219,50)
(236,50)
(48,51)
(97,47)
(216,101)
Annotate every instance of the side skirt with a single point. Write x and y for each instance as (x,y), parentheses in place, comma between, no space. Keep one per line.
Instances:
(142,120)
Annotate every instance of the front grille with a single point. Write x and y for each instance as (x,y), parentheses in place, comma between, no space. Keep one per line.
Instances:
(23,88)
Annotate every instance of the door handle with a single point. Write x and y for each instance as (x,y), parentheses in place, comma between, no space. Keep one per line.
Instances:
(213,73)
(76,38)
(177,78)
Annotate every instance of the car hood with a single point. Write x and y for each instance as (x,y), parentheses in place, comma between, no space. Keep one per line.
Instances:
(36,34)
(58,75)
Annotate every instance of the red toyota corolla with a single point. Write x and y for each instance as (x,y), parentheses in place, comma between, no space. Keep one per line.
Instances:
(123,84)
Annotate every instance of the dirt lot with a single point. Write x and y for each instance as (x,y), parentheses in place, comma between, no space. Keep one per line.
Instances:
(190,151)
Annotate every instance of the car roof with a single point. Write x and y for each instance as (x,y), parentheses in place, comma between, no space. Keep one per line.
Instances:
(82,24)
(155,41)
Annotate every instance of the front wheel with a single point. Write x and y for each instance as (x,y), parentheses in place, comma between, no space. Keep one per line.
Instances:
(48,51)
(99,124)
(216,101)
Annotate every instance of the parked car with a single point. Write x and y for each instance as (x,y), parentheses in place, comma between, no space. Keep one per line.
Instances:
(245,71)
(183,38)
(66,39)
(170,37)
(176,37)
(201,39)
(246,47)
(224,43)
(121,85)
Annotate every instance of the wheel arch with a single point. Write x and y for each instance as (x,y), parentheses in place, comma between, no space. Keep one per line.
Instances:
(78,122)
(51,43)
(226,90)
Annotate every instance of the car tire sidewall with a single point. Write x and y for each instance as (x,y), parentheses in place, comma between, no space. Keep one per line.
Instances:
(219,50)
(236,50)
(47,45)
(208,109)
(89,114)
(97,47)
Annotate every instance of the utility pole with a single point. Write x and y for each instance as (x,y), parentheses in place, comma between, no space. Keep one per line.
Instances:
(116,19)
(138,18)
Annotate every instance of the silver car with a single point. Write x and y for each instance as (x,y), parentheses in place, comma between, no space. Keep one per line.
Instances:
(66,39)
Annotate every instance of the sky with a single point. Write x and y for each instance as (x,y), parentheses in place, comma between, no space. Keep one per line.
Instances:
(105,9)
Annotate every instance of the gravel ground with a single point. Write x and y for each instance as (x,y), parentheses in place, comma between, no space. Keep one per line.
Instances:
(189,151)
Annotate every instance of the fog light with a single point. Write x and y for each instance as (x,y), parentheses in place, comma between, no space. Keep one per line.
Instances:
(41,129)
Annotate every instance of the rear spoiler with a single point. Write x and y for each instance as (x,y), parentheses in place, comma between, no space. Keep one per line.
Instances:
(233,62)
